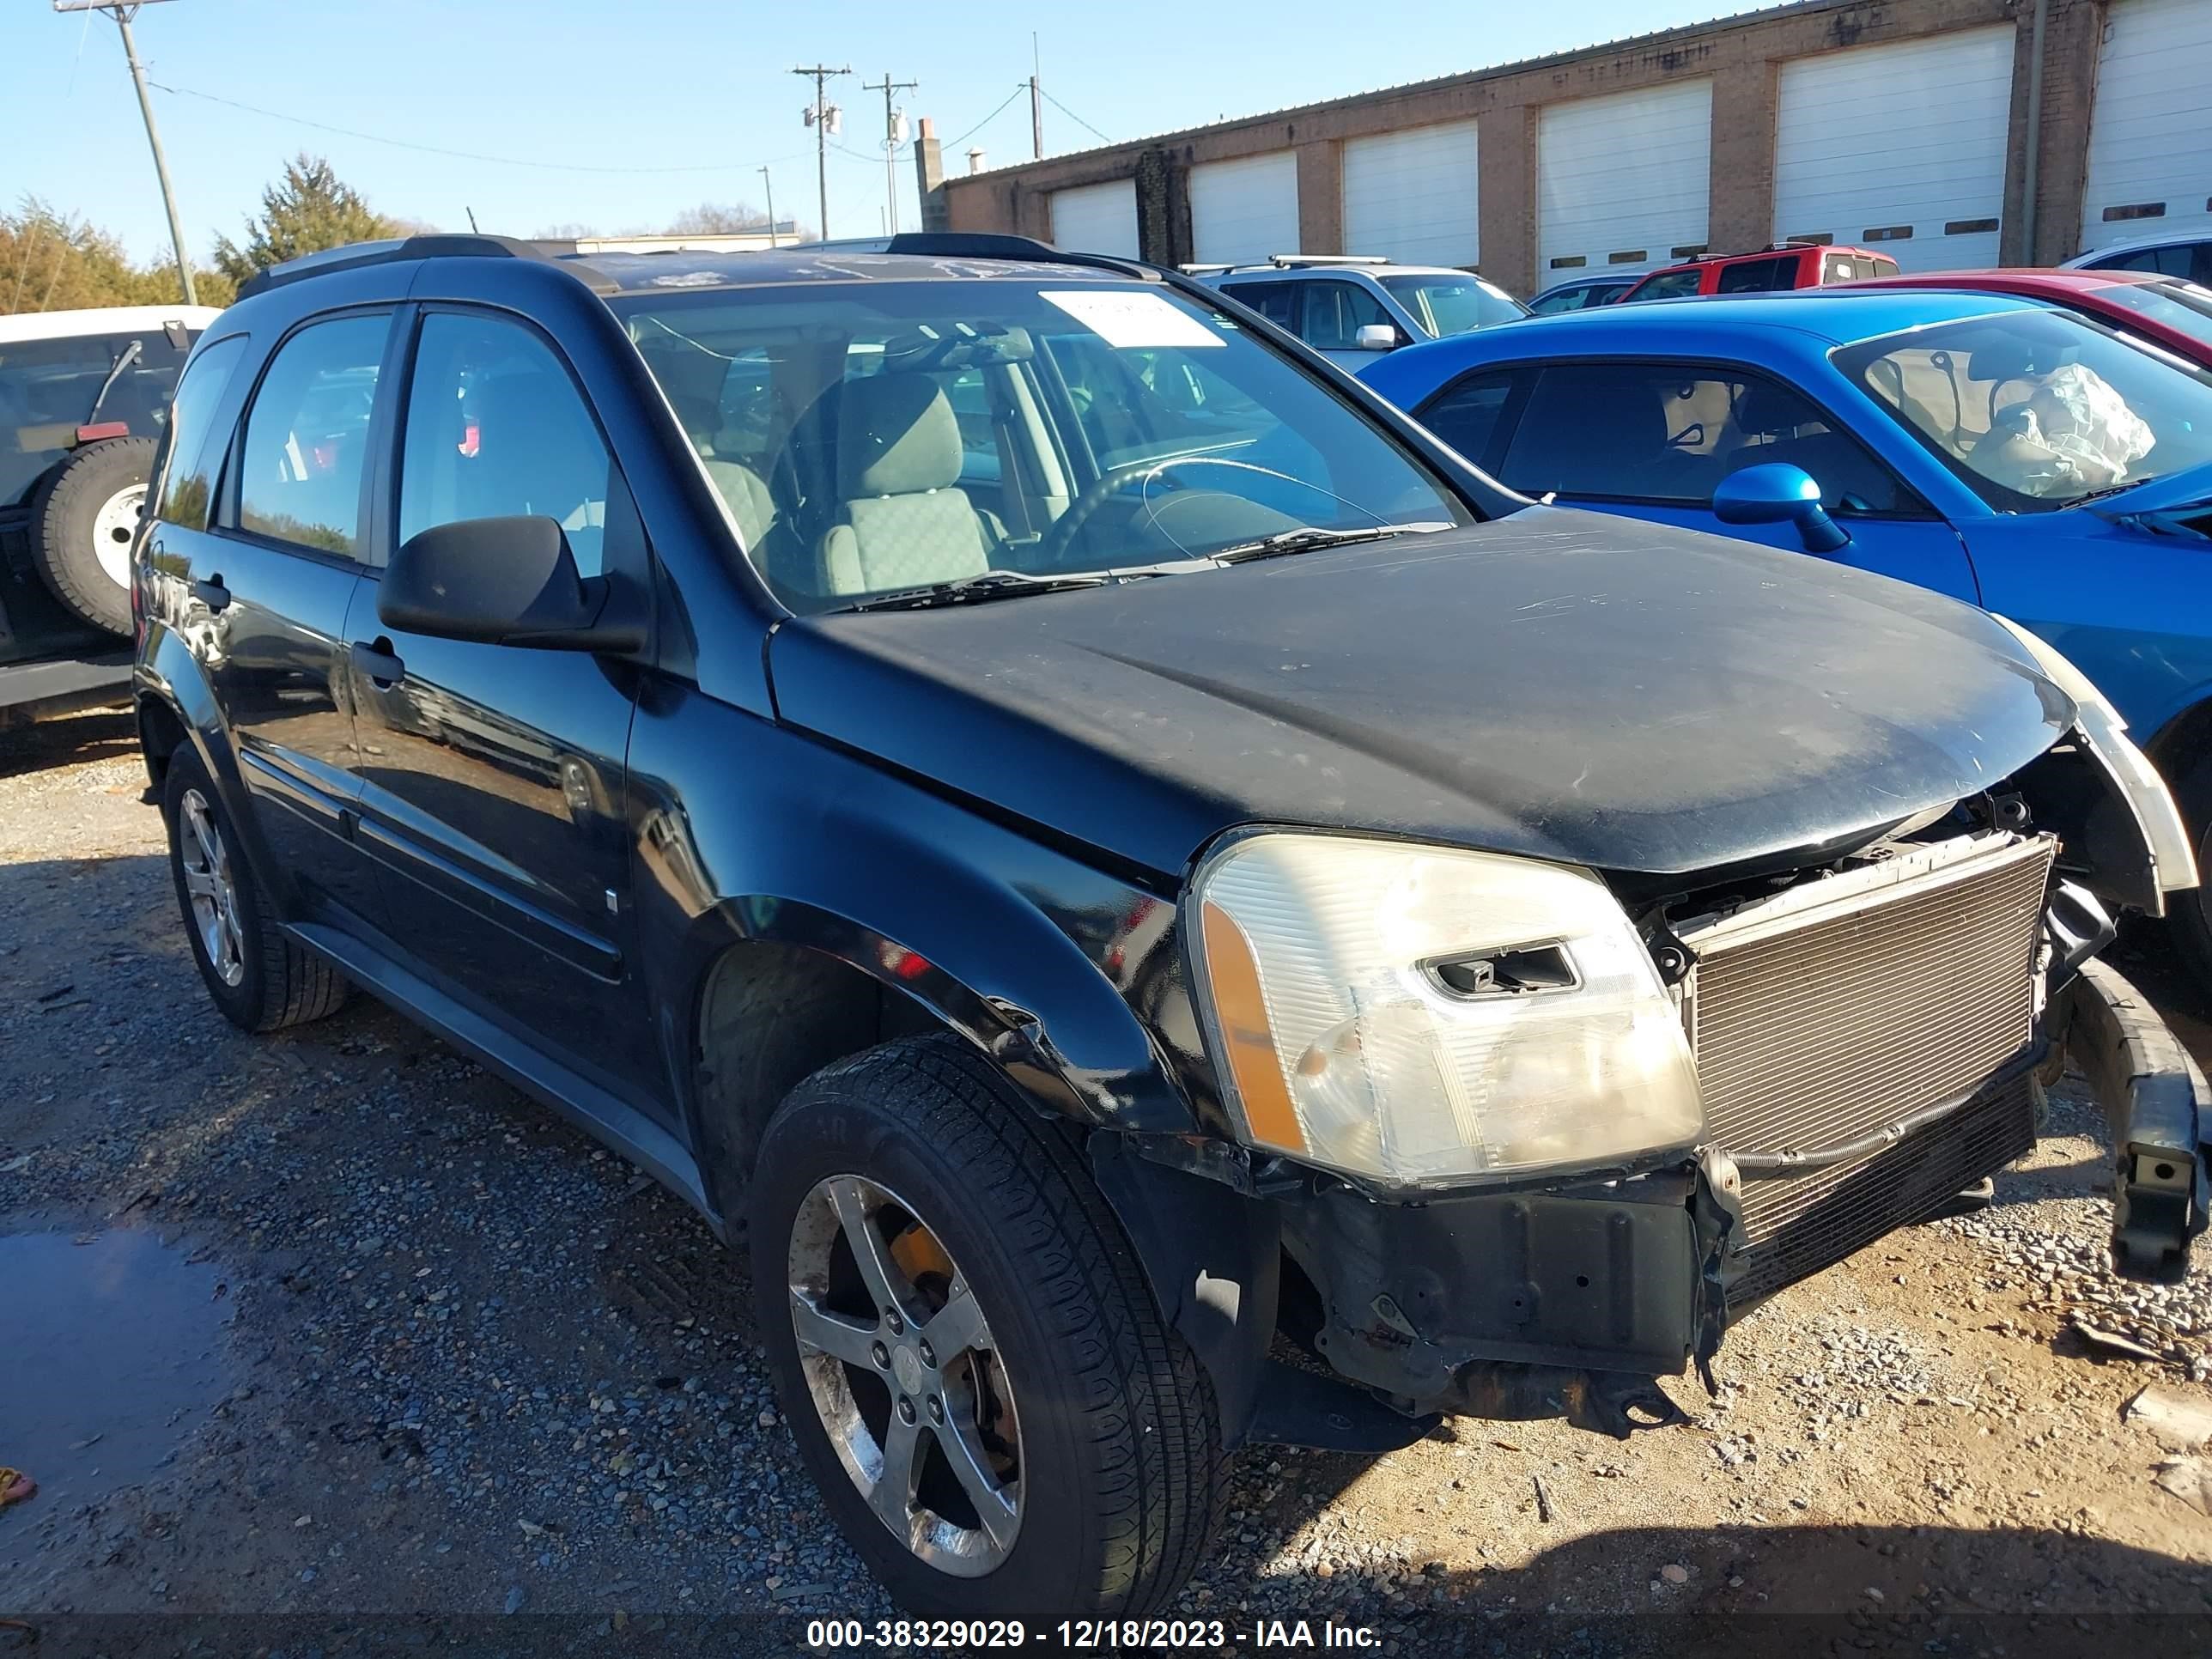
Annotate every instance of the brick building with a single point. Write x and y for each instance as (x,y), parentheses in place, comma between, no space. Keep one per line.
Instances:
(1947,133)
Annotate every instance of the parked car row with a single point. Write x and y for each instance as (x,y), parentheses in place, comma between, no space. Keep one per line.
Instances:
(1090,843)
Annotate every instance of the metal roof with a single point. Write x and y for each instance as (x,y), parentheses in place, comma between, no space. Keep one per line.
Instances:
(105,319)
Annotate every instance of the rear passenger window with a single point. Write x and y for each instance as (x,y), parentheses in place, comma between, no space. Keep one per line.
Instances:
(188,470)
(1276,301)
(1758,276)
(307,436)
(496,429)
(1466,414)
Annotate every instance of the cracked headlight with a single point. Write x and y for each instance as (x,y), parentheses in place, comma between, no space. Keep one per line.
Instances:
(1419,1015)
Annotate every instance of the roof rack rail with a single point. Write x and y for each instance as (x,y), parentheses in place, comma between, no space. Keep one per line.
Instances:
(1287,261)
(996,245)
(434,245)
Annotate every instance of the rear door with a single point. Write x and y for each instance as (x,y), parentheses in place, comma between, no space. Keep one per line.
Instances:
(1653,439)
(494,775)
(270,584)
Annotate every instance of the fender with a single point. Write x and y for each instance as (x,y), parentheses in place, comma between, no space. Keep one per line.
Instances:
(745,831)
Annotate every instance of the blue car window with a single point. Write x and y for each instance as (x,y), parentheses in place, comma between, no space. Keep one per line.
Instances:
(1670,432)
(1466,414)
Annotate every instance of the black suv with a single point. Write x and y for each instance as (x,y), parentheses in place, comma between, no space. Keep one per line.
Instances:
(1091,843)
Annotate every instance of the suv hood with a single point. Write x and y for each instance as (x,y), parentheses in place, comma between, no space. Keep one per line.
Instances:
(1562,685)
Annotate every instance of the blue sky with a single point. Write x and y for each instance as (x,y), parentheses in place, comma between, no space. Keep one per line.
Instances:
(677,101)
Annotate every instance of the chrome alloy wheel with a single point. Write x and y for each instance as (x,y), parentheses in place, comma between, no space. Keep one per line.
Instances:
(905,1376)
(112,528)
(211,888)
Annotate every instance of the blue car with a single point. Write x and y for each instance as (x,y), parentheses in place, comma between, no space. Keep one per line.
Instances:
(2025,459)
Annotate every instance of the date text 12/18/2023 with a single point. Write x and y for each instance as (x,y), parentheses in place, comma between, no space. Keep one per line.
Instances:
(1085,1635)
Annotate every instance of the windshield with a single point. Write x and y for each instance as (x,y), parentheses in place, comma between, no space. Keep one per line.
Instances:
(2039,410)
(872,438)
(1453,305)
(2182,306)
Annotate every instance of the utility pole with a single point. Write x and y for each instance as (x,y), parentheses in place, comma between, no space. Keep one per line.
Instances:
(894,124)
(768,189)
(1036,102)
(122,11)
(824,117)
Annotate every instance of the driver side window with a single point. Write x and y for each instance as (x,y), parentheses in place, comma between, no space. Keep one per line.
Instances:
(496,428)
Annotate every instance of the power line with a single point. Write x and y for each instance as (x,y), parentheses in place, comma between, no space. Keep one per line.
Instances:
(457,154)
(1020,86)
(1073,116)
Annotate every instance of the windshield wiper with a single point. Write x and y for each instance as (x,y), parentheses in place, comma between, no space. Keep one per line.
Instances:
(977,590)
(1307,537)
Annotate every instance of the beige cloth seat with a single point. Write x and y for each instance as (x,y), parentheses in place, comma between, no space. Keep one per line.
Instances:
(904,520)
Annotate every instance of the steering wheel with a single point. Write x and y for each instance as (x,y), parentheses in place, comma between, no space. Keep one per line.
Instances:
(1055,541)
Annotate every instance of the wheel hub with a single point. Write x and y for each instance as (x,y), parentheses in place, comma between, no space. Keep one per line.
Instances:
(210,888)
(112,528)
(905,1376)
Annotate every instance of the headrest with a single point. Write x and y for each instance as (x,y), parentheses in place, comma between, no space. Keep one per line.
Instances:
(897,436)
(1765,407)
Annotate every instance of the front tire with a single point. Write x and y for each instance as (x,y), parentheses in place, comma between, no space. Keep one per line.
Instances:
(967,1350)
(259,978)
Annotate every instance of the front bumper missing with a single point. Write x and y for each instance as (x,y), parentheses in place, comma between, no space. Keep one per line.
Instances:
(1569,1303)
(2154,1099)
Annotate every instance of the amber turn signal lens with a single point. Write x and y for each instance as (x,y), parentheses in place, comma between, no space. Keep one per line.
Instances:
(1240,1009)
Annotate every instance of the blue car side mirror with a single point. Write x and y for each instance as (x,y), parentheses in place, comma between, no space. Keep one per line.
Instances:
(1778,493)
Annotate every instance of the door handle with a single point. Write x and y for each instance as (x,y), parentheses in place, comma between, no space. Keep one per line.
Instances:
(378,662)
(212,592)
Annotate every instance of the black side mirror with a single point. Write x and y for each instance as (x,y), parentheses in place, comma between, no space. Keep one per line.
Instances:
(500,582)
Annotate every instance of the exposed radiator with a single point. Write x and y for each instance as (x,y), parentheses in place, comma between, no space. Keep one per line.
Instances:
(1844,1005)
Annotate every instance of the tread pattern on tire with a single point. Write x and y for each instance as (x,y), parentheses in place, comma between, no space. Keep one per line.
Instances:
(58,498)
(1150,1405)
(297,986)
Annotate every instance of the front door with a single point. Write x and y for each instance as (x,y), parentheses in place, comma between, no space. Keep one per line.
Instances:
(492,776)
(271,584)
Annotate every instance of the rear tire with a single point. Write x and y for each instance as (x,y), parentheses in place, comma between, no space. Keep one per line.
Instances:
(82,524)
(1106,1444)
(257,976)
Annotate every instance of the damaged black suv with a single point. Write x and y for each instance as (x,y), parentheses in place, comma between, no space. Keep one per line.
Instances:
(1089,843)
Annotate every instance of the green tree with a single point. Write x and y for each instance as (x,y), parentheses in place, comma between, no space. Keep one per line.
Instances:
(49,262)
(308,210)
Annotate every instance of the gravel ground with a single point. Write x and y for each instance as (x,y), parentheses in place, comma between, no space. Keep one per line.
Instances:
(334,1333)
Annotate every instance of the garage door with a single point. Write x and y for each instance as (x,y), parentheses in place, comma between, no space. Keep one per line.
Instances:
(1900,149)
(1622,181)
(1244,210)
(1410,196)
(2150,132)
(1097,218)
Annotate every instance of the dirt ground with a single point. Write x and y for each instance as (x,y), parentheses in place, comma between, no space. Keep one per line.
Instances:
(331,1342)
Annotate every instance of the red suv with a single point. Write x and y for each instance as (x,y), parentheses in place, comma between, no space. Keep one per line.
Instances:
(1785,265)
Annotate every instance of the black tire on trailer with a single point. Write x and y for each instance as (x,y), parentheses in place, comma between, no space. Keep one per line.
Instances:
(83,521)
(2189,912)
(258,977)
(1070,1412)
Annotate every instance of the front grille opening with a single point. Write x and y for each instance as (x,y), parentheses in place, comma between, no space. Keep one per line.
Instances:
(1815,1023)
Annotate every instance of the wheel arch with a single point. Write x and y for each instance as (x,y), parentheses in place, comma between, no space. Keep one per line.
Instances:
(782,987)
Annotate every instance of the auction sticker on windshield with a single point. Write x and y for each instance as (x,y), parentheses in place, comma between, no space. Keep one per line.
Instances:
(1133,321)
